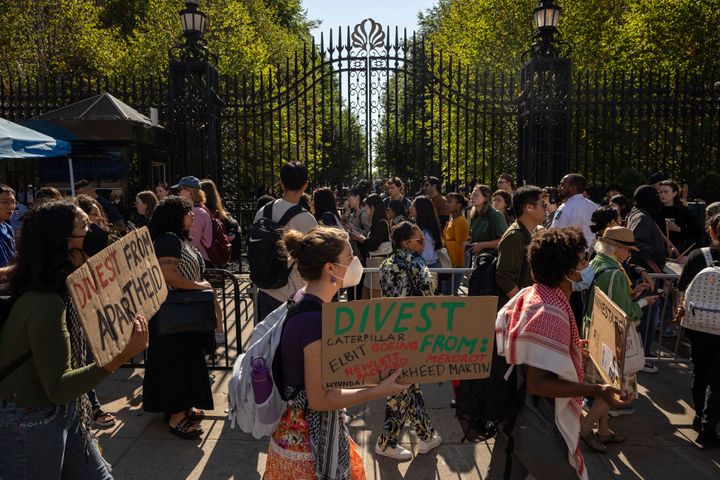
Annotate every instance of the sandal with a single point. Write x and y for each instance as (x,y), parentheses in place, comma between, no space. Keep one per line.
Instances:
(195,414)
(592,441)
(612,438)
(184,429)
(102,419)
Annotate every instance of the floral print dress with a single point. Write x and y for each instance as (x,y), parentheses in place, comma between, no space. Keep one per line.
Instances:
(404,274)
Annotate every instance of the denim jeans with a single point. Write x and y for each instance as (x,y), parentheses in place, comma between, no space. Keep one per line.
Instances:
(647,327)
(45,442)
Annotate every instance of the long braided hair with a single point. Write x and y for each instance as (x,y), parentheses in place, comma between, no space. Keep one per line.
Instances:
(42,265)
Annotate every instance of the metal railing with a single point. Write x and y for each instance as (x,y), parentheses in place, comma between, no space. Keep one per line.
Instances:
(236,304)
(452,273)
(662,353)
(238,300)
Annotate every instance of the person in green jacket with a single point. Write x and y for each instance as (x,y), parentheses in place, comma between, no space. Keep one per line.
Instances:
(613,248)
(44,413)
(487,225)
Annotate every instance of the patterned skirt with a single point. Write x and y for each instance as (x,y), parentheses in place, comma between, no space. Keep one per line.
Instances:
(290,455)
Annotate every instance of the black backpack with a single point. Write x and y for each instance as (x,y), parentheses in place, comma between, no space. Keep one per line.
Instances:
(268,266)
(482,279)
(483,403)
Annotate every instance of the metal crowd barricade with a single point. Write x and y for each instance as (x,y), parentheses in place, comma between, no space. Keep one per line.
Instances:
(372,272)
(236,304)
(661,354)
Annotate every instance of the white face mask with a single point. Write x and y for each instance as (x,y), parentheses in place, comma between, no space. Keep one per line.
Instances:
(353,273)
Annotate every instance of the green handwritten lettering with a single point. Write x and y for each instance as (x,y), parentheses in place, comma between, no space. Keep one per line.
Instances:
(351,317)
(469,344)
(451,306)
(403,315)
(424,315)
(363,320)
(380,324)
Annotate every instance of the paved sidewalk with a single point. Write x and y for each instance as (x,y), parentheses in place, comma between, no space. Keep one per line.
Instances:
(659,444)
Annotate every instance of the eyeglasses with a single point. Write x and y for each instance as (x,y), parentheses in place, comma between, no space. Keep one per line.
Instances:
(8,203)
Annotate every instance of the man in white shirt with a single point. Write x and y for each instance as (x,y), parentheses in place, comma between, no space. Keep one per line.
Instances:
(294,181)
(576,211)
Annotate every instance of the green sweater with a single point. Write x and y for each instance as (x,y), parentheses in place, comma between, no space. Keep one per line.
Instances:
(488,228)
(621,293)
(37,323)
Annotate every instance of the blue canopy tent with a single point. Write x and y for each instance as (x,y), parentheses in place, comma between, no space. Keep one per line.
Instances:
(17,141)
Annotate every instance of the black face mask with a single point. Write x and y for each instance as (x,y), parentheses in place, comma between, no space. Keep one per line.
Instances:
(95,240)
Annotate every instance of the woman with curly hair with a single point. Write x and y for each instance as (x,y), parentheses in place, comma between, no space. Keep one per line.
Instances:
(537,332)
(45,415)
(404,274)
(176,379)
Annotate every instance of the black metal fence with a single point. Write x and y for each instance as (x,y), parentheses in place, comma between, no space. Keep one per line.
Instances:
(362,105)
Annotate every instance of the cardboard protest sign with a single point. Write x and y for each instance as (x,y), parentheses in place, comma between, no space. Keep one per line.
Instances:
(112,287)
(430,338)
(606,338)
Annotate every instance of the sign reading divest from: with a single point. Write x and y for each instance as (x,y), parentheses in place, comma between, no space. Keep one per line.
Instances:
(606,338)
(429,338)
(114,286)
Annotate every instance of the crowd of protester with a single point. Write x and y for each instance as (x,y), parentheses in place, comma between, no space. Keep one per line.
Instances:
(552,245)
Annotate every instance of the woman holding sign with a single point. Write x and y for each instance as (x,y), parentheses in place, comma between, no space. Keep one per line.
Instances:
(612,248)
(404,274)
(45,416)
(312,440)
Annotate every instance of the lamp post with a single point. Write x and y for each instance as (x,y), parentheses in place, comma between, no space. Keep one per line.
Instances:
(543,114)
(194,105)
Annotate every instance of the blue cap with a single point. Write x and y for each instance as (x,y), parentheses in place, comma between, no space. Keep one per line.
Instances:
(190,182)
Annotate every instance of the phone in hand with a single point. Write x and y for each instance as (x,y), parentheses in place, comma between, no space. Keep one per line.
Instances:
(651,293)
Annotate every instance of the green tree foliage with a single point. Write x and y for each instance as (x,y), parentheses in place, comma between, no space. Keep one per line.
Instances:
(682,35)
(129,40)
(132,37)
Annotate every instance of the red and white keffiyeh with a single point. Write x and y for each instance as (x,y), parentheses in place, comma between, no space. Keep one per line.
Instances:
(537,328)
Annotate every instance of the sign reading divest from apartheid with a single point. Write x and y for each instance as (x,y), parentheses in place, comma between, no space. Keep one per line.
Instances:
(429,338)
(114,286)
(606,338)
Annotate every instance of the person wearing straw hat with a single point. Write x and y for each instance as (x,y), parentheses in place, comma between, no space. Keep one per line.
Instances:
(612,248)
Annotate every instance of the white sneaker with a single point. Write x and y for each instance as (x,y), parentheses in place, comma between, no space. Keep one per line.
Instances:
(398,453)
(424,446)
(649,368)
(220,338)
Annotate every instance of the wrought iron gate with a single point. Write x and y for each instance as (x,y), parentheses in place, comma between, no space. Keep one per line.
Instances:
(368,103)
